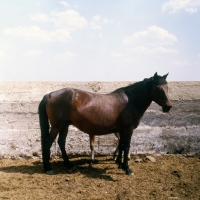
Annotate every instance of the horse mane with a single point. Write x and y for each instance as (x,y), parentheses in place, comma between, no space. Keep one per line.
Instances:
(133,85)
(147,82)
(130,86)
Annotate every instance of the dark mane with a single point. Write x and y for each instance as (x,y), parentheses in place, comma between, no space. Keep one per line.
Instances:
(147,82)
(129,87)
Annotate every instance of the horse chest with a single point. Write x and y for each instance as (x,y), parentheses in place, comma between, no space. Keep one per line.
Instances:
(130,117)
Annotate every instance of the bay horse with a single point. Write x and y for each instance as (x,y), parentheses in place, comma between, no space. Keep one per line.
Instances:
(99,114)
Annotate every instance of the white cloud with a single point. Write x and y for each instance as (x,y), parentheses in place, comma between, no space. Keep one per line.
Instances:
(157,50)
(165,50)
(153,36)
(39,17)
(96,18)
(66,56)
(118,57)
(60,35)
(33,52)
(64,23)
(153,40)
(174,5)
(64,3)
(97,22)
(180,63)
(7,50)
(100,35)
(199,55)
(116,54)
(11,47)
(108,21)
(69,20)
(36,33)
(140,49)
(94,25)
(3,54)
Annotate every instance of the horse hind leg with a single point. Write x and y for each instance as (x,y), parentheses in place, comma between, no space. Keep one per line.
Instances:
(61,143)
(92,140)
(46,155)
(116,152)
(119,156)
(46,151)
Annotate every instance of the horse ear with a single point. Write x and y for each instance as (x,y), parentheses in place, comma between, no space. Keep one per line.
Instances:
(155,77)
(165,76)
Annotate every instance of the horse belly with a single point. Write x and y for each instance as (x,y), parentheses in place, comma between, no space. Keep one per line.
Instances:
(93,122)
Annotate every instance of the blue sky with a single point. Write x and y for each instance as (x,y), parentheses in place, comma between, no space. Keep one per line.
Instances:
(115,40)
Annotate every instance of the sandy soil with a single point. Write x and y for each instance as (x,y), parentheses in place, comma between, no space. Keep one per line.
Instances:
(169,177)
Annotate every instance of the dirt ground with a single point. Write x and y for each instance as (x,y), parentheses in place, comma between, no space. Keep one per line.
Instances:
(169,177)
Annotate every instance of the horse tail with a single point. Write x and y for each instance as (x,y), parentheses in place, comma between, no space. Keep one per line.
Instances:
(43,119)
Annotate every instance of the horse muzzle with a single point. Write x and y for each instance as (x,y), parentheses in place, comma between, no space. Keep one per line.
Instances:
(166,108)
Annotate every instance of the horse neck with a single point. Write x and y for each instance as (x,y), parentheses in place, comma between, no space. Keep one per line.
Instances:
(140,96)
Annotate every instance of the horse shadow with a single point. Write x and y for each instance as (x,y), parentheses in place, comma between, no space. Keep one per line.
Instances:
(35,168)
(82,167)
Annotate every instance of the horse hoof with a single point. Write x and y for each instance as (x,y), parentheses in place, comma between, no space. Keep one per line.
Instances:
(129,172)
(50,172)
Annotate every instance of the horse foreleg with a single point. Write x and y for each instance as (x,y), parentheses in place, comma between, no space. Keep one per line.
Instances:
(61,143)
(126,147)
(92,140)
(117,149)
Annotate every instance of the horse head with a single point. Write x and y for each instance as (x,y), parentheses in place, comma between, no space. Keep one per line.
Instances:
(159,92)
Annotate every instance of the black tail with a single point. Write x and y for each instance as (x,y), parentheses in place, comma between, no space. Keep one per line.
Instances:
(43,119)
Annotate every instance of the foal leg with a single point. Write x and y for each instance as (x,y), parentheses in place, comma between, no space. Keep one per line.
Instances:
(46,151)
(92,140)
(61,143)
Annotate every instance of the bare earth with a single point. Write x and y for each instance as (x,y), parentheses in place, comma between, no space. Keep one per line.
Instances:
(170,177)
